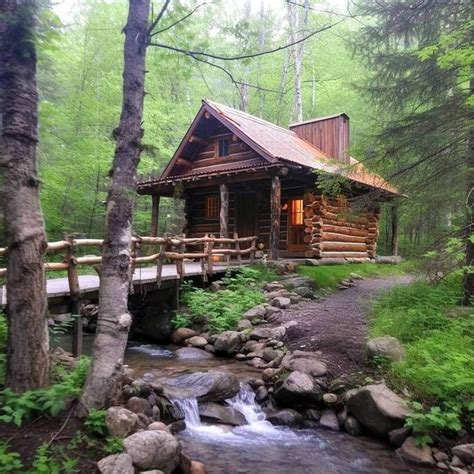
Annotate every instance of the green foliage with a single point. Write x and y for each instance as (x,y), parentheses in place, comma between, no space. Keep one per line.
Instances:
(17,408)
(439,343)
(113,445)
(95,422)
(430,424)
(329,276)
(223,309)
(9,461)
(181,320)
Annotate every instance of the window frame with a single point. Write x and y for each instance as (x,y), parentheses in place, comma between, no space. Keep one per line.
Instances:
(220,140)
(296,216)
(212,207)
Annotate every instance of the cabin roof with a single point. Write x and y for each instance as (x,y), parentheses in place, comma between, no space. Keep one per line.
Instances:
(276,144)
(319,119)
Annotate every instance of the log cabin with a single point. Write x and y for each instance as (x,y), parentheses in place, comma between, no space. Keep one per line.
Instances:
(239,174)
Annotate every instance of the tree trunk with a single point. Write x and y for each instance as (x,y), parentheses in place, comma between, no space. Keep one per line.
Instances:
(224,211)
(155,214)
(394,230)
(27,357)
(114,320)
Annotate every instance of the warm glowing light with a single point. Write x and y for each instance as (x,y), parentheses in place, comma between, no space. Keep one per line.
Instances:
(297,211)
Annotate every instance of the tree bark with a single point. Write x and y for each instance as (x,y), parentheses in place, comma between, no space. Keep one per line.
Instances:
(275,217)
(114,319)
(27,355)
(394,230)
(224,211)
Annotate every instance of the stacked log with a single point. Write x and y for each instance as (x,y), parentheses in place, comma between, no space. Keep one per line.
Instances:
(333,231)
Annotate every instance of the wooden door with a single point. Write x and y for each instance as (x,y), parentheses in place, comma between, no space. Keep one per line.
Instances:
(296,225)
(246,216)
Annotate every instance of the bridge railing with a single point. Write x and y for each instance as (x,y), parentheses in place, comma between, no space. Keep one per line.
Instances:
(208,250)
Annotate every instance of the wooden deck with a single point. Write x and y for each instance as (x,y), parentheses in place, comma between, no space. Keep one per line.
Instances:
(58,288)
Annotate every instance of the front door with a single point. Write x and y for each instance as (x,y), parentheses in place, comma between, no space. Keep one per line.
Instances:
(246,214)
(296,225)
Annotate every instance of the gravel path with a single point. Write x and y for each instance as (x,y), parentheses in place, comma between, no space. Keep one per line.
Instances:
(336,325)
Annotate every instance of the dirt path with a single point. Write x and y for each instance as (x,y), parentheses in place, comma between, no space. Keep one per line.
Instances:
(336,325)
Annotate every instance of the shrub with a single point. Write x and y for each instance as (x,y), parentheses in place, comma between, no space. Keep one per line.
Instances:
(16,408)
(9,461)
(95,422)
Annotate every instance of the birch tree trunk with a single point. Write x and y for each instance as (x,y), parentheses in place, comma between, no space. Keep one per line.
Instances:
(27,356)
(114,319)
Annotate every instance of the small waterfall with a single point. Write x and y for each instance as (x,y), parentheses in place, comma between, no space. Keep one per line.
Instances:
(245,403)
(189,407)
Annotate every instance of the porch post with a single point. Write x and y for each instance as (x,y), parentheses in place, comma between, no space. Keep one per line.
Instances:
(275,200)
(155,214)
(394,229)
(224,212)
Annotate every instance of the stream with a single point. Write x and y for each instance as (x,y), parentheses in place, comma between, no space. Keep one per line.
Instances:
(258,446)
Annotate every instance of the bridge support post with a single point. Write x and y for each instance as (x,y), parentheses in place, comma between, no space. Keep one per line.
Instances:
(155,215)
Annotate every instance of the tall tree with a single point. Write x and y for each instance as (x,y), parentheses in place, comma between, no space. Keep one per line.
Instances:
(421,55)
(27,358)
(114,320)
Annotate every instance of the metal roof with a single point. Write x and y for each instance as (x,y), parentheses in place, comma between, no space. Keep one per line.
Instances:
(278,144)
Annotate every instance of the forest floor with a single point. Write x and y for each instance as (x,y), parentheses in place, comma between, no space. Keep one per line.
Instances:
(337,324)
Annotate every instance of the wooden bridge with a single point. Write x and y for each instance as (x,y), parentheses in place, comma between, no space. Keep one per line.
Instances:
(155,260)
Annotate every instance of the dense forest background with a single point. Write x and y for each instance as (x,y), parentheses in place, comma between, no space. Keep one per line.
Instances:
(80,67)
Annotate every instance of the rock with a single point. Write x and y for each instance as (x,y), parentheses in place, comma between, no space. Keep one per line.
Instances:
(216,413)
(273,286)
(306,362)
(120,421)
(153,450)
(281,302)
(197,468)
(181,334)
(158,426)
(442,465)
(440,456)
(378,409)
(312,262)
(305,292)
(257,362)
(352,426)
(268,333)
(465,452)
(329,420)
(244,324)
(286,417)
(253,346)
(298,389)
(312,414)
(261,394)
(269,374)
(177,426)
(228,342)
(141,388)
(342,416)
(270,354)
(258,312)
(271,310)
(456,462)
(458,470)
(205,386)
(398,436)
(138,405)
(196,341)
(330,399)
(193,353)
(387,347)
(388,259)
(410,452)
(115,464)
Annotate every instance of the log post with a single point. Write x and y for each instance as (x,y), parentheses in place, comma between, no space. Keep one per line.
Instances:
(155,214)
(237,249)
(224,215)
(275,200)
(394,234)
(74,302)
(210,245)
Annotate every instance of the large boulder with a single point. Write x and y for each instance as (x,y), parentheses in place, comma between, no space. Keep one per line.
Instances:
(294,281)
(139,405)
(116,463)
(205,386)
(387,346)
(329,420)
(268,333)
(193,353)
(465,452)
(307,362)
(257,312)
(298,389)
(181,334)
(120,421)
(414,454)
(228,342)
(153,450)
(378,409)
(196,341)
(286,417)
(217,413)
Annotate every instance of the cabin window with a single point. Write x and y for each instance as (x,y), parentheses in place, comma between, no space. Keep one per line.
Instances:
(212,207)
(223,147)
(297,212)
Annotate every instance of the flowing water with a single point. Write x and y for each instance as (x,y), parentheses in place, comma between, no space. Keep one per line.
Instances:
(258,446)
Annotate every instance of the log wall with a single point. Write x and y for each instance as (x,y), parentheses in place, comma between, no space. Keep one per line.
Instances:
(333,231)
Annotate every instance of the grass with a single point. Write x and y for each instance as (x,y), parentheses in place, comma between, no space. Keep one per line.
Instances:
(438,337)
(328,277)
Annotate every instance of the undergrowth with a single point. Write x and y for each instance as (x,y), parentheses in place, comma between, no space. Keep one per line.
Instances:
(439,340)
(327,277)
(223,309)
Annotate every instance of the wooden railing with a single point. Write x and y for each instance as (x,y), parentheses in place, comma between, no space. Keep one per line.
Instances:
(174,249)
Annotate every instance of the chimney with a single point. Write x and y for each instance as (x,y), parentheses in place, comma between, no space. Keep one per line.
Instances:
(329,134)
